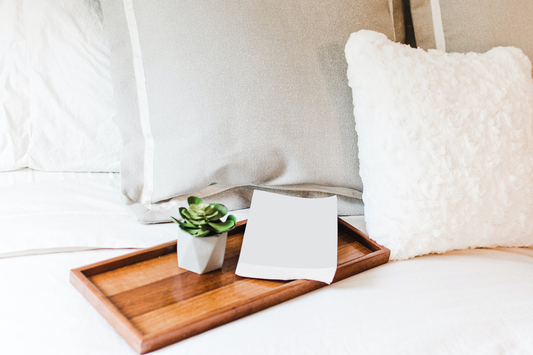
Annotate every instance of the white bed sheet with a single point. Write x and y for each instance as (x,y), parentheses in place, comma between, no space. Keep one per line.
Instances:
(43,212)
(476,301)
(464,302)
(27,175)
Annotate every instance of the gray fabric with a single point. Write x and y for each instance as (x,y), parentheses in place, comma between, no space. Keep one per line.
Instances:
(240,92)
(240,197)
(476,25)
(124,86)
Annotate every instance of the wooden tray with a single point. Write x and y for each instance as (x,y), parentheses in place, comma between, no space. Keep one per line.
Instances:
(153,303)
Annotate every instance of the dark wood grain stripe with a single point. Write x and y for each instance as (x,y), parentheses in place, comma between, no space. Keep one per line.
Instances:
(348,249)
(173,289)
(137,275)
(197,307)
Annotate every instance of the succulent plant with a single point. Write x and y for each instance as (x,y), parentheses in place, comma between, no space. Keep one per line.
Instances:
(204,219)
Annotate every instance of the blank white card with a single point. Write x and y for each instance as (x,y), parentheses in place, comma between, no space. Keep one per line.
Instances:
(289,238)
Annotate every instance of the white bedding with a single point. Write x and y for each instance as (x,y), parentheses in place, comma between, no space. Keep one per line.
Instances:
(465,302)
(61,211)
(477,301)
(57,211)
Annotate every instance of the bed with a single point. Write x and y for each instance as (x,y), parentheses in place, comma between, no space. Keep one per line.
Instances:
(475,301)
(74,171)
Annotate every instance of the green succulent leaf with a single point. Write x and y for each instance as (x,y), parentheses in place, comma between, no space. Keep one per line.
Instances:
(191,231)
(183,223)
(195,215)
(198,222)
(221,209)
(184,213)
(199,210)
(203,234)
(193,200)
(221,227)
(196,232)
(214,217)
(210,209)
(188,224)
(206,231)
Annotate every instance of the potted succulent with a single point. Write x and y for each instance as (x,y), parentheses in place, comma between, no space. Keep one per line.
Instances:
(202,235)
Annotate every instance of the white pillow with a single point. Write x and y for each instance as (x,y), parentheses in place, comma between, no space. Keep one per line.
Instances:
(14,95)
(59,112)
(445,145)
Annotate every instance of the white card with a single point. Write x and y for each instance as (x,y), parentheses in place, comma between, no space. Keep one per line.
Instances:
(289,238)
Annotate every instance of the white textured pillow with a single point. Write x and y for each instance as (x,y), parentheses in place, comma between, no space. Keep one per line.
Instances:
(56,99)
(445,145)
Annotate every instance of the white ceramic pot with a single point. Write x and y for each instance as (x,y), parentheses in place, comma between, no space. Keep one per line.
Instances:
(201,254)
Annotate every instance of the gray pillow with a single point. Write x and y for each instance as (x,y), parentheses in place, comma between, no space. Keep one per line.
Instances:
(216,98)
(474,25)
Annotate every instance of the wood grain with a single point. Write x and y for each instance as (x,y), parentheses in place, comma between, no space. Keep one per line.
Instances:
(152,302)
(190,309)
